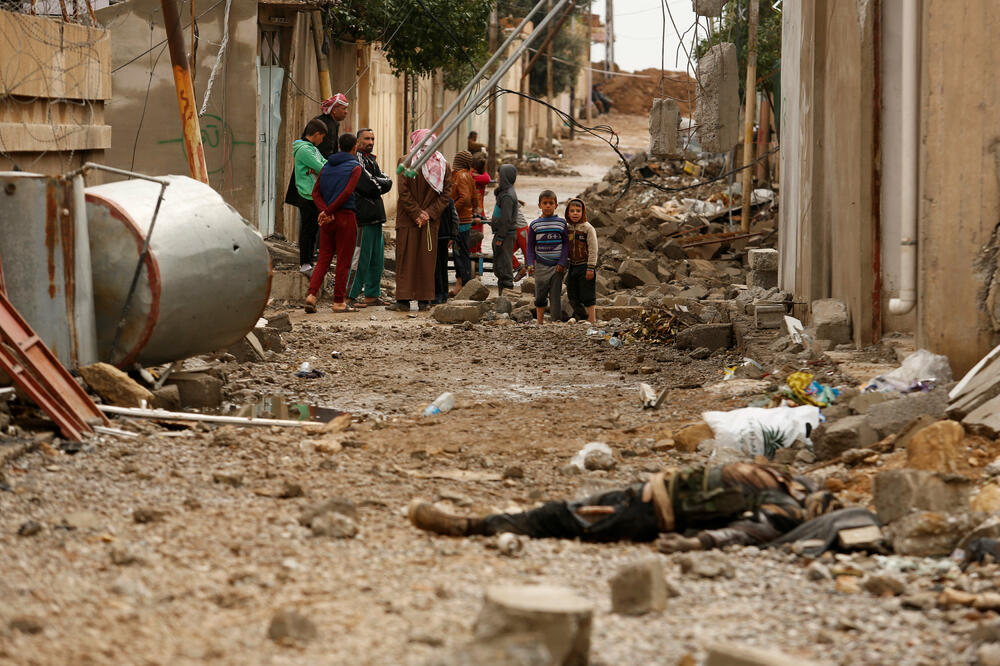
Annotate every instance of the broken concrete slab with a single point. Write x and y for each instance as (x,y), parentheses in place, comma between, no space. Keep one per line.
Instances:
(711,8)
(270,339)
(769,315)
(634,274)
(623,312)
(247,350)
(664,119)
(831,320)
(985,419)
(197,389)
(928,533)
(456,312)
(523,649)
(863,402)
(639,588)
(891,417)
(716,113)
(114,386)
(280,322)
(475,290)
(898,492)
(712,336)
(831,439)
(563,619)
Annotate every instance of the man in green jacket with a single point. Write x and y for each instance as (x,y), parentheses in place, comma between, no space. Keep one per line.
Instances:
(308,163)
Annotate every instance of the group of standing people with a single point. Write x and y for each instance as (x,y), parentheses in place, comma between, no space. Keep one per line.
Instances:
(338,186)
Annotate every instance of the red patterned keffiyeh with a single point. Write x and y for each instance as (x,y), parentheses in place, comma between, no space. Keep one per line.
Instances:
(337,100)
(434,168)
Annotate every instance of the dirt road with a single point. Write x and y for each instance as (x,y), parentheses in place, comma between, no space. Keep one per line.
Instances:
(178,546)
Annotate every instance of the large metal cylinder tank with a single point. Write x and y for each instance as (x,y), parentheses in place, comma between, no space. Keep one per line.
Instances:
(45,253)
(203,285)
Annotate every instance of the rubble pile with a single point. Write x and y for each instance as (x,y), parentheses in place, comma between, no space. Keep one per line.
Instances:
(634,94)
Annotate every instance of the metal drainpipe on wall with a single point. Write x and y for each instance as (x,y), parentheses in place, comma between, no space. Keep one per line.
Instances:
(909,149)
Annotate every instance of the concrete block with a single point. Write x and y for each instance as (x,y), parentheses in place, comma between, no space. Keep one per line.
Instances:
(559,615)
(664,120)
(769,315)
(762,279)
(831,439)
(623,312)
(898,492)
(831,320)
(763,259)
(280,322)
(712,336)
(289,285)
(711,8)
(639,588)
(197,389)
(716,114)
(457,312)
(891,417)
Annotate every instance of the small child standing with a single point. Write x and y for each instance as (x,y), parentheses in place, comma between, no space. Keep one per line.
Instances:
(548,249)
(580,282)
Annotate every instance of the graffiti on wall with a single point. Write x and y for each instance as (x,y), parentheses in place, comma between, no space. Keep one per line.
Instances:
(218,140)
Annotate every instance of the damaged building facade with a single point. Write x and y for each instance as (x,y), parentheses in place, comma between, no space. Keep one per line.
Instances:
(890,167)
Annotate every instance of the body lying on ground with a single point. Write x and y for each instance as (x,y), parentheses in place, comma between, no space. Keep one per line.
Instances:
(694,508)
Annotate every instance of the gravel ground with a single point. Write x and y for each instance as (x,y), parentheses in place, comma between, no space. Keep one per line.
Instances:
(178,546)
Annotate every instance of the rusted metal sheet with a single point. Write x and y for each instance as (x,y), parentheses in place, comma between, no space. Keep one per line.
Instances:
(203,284)
(40,218)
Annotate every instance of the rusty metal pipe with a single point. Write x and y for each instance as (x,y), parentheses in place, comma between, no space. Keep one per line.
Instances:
(193,147)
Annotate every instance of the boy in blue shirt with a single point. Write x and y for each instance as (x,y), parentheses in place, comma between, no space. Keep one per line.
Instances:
(548,256)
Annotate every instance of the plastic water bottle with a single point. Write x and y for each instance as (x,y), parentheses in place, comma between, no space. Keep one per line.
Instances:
(615,341)
(305,367)
(444,403)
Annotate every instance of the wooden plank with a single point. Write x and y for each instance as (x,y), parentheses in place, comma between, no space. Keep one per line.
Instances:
(44,57)
(25,137)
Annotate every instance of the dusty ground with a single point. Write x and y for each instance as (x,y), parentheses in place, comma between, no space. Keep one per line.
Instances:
(200,582)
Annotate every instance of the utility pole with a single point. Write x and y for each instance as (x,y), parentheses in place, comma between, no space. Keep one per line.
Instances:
(751,93)
(590,70)
(491,163)
(190,125)
(522,105)
(609,35)
(548,78)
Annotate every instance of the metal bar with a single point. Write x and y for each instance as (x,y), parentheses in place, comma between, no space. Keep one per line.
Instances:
(135,275)
(481,95)
(472,82)
(163,414)
(190,125)
(121,172)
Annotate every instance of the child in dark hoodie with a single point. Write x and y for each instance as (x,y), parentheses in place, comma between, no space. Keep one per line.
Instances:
(504,225)
(580,281)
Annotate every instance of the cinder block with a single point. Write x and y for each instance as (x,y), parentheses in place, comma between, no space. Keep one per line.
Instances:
(762,279)
(716,114)
(769,315)
(763,259)
(711,8)
(664,120)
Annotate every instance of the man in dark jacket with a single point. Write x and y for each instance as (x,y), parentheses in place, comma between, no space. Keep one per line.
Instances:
(334,196)
(372,185)
(333,112)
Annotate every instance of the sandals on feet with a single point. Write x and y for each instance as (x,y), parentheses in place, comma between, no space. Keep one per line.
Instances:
(346,308)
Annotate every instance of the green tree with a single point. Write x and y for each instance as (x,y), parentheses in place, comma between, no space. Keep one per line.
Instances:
(415,41)
(569,46)
(734,26)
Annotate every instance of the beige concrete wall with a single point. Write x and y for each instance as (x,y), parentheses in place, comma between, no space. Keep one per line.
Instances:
(826,229)
(959,206)
(146,134)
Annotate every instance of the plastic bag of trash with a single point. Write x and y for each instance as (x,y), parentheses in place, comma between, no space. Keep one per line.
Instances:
(920,371)
(761,432)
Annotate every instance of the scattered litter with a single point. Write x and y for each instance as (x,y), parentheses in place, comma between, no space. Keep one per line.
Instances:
(442,404)
(804,390)
(920,371)
(755,431)
(275,407)
(649,398)
(795,330)
(615,341)
(749,369)
(594,455)
(309,374)
(104,430)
